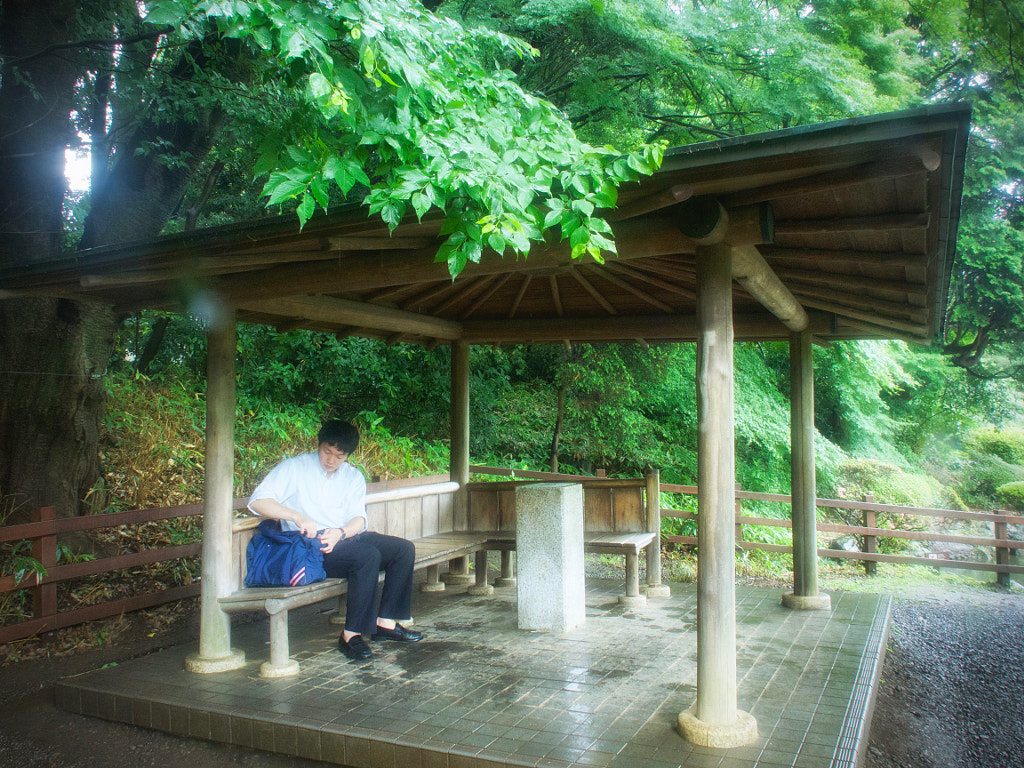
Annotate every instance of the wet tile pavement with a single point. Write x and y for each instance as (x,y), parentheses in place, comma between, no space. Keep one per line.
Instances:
(480,693)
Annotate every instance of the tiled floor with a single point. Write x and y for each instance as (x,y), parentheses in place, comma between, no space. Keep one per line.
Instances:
(480,693)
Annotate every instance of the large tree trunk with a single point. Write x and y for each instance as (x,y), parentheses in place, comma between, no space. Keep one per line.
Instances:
(49,385)
(55,352)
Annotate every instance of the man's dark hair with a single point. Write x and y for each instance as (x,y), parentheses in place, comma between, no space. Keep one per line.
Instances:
(340,434)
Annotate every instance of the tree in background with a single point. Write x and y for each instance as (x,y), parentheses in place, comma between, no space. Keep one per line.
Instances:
(379,101)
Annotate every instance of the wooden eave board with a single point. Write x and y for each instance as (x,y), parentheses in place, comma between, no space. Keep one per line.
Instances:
(850,273)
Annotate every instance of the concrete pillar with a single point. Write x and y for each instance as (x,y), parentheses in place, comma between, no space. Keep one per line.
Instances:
(215,652)
(654,587)
(803,483)
(550,589)
(458,568)
(714,720)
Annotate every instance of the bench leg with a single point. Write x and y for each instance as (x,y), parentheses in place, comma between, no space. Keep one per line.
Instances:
(481,587)
(458,571)
(280,665)
(338,616)
(632,596)
(654,587)
(506,579)
(433,582)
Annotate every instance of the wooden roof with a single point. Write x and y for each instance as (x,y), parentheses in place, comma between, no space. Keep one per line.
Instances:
(864,213)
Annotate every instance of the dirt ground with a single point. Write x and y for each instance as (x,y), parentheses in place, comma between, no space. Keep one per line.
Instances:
(952,694)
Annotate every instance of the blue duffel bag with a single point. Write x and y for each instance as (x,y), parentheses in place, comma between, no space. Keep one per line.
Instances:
(277,558)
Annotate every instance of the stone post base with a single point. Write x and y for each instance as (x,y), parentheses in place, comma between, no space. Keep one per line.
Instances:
(432,586)
(739,733)
(807,602)
(656,590)
(505,582)
(632,601)
(206,666)
(267,669)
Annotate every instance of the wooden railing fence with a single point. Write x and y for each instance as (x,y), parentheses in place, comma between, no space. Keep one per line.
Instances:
(43,531)
(45,527)
(868,533)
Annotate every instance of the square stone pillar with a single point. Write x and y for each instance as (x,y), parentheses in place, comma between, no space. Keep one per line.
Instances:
(549,556)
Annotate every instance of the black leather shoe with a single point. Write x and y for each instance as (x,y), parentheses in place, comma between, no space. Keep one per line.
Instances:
(356,648)
(398,633)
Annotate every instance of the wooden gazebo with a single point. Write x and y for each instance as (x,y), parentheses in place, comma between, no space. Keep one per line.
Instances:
(838,231)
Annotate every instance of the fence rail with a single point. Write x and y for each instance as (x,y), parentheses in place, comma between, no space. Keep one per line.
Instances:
(868,533)
(45,527)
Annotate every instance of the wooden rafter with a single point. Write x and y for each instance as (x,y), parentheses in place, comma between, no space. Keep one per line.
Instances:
(519,295)
(852,282)
(858,301)
(926,160)
(556,297)
(895,221)
(485,296)
(606,274)
(465,292)
(642,276)
(825,256)
(595,294)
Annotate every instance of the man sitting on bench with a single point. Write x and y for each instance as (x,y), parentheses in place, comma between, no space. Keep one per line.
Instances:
(321,494)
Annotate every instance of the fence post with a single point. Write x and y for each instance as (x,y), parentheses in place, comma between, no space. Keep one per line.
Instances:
(1002,553)
(739,513)
(870,541)
(44,549)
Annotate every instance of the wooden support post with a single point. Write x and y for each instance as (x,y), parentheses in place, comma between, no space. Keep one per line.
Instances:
(870,541)
(738,503)
(215,652)
(714,720)
(458,568)
(654,587)
(44,550)
(1002,553)
(804,502)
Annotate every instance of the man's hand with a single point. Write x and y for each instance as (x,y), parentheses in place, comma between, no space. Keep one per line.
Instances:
(307,526)
(329,540)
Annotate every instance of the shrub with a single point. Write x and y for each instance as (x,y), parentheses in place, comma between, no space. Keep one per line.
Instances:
(1007,444)
(1011,495)
(980,474)
(889,484)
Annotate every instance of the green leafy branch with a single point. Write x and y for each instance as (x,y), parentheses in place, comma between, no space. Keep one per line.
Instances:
(421,111)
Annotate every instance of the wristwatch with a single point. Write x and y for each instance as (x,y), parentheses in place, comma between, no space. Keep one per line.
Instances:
(342,532)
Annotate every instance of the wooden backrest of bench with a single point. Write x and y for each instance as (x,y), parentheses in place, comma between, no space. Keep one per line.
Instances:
(610,505)
(397,508)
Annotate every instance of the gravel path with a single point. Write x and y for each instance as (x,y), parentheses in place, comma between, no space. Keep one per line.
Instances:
(952,691)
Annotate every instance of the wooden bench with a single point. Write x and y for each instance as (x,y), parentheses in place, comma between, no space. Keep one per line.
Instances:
(616,521)
(425,514)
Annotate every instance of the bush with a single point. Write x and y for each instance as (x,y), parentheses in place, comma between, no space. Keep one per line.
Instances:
(889,484)
(980,474)
(1011,495)
(1007,444)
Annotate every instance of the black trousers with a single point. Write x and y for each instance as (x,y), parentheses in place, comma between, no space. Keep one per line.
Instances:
(360,560)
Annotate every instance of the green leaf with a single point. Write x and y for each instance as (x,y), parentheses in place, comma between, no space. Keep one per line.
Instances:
(305,209)
(280,188)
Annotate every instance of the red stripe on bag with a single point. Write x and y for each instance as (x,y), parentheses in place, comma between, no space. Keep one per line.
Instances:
(298,577)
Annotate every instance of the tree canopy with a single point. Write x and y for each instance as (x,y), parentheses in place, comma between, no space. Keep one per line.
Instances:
(424,113)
